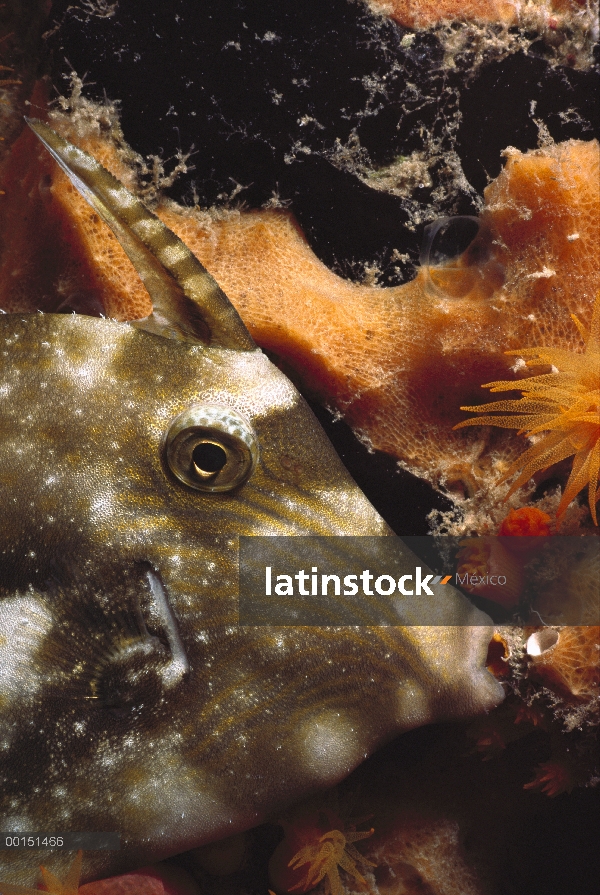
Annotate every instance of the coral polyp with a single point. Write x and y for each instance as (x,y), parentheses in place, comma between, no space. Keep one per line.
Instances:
(332,850)
(564,405)
(482,563)
(317,843)
(552,777)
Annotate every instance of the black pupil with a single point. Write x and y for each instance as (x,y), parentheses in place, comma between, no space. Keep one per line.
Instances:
(209,457)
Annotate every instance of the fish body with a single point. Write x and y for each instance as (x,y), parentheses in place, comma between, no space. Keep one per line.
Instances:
(131,700)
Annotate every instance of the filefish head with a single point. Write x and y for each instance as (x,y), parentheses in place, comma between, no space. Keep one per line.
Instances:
(132,458)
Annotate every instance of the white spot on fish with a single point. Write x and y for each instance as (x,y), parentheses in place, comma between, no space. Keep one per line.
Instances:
(24,623)
(328,743)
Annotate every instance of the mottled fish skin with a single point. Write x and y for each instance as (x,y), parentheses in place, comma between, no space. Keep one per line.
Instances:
(130,700)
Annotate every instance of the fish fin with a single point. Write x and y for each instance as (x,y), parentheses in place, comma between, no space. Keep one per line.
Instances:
(188,303)
(52,882)
(71,884)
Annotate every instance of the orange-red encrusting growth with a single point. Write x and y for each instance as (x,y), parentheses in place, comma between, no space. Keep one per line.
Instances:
(153,880)
(157,879)
(526,522)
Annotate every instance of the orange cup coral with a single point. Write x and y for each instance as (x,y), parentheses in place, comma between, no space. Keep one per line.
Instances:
(568,659)
(552,777)
(312,852)
(564,405)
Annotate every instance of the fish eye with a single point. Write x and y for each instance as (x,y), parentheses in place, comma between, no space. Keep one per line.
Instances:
(211,448)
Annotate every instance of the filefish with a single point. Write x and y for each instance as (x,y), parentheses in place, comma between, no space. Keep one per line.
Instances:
(132,457)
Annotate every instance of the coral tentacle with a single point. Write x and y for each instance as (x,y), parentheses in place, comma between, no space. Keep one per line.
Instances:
(564,405)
